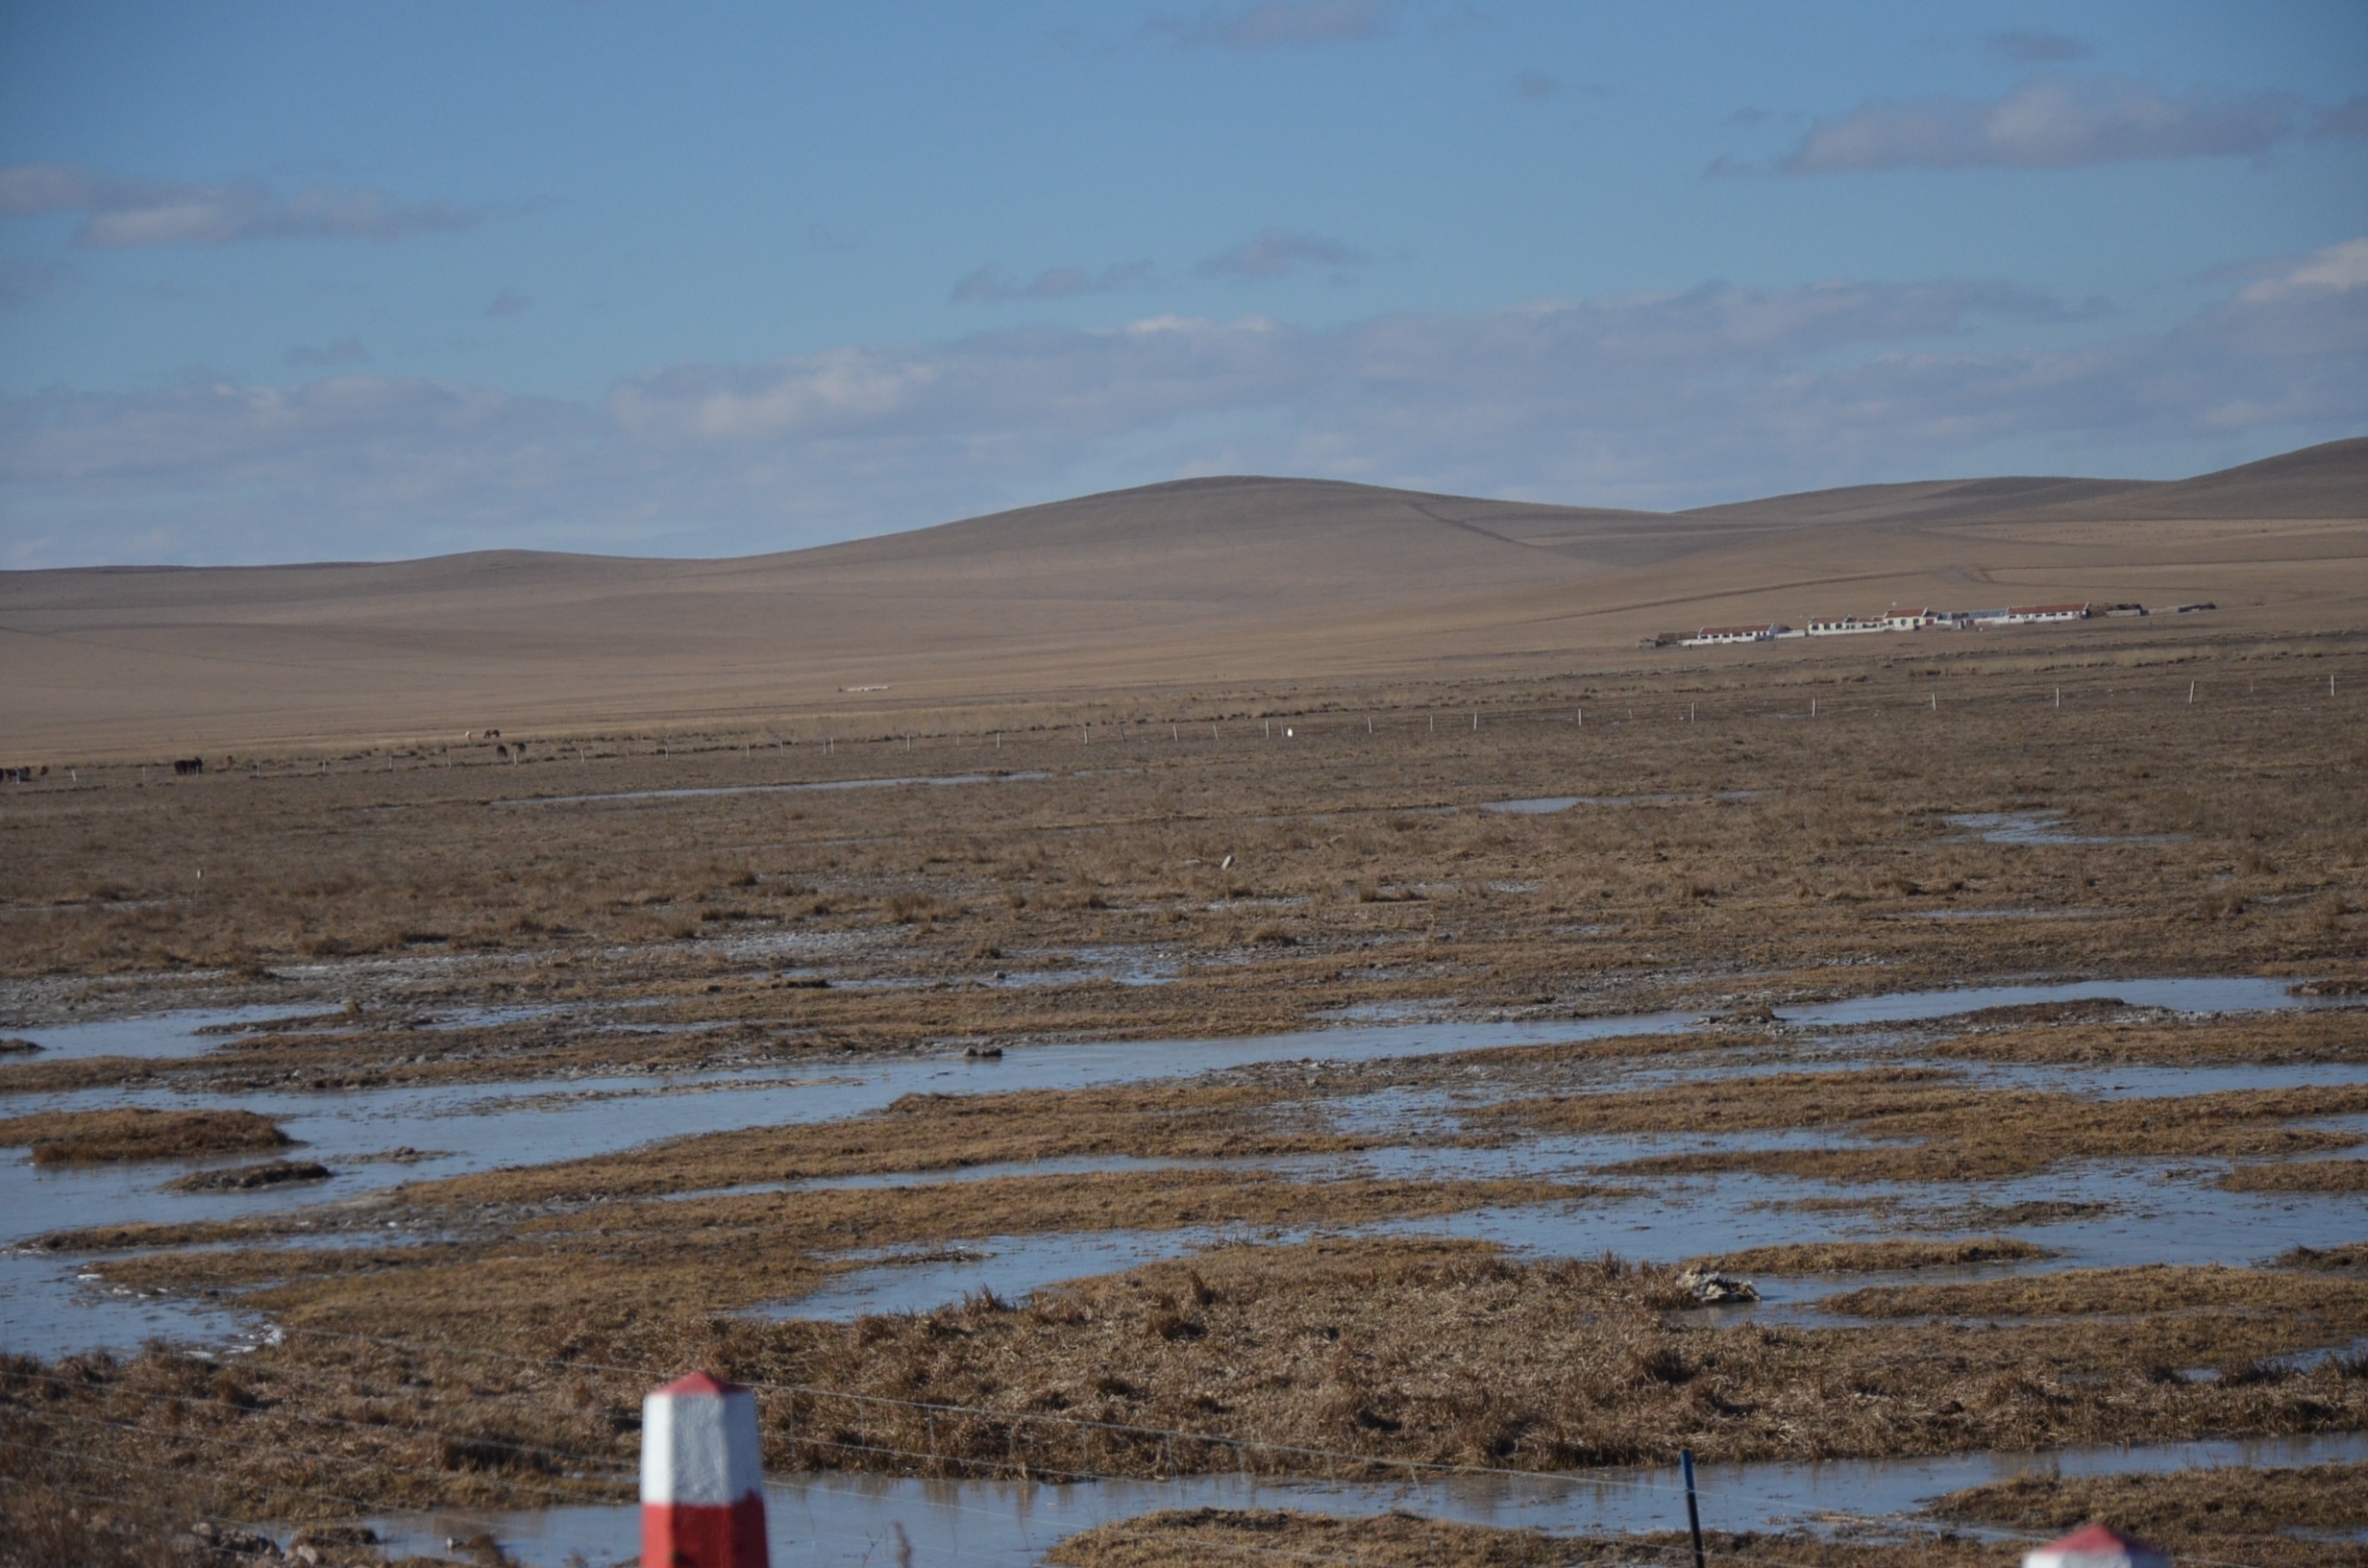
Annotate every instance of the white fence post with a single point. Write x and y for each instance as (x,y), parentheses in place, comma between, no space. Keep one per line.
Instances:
(703,1477)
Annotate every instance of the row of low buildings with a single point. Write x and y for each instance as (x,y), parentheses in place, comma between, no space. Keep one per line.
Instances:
(1851,625)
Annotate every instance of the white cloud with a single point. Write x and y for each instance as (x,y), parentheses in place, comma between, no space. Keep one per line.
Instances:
(122,211)
(1662,398)
(2334,270)
(1278,252)
(1273,24)
(2053,121)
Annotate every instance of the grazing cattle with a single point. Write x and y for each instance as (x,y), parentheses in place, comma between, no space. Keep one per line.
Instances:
(15,775)
(182,767)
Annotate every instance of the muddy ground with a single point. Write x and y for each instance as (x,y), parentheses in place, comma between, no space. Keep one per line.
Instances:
(635,915)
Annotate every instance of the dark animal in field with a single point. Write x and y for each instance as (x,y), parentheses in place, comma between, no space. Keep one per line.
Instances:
(182,767)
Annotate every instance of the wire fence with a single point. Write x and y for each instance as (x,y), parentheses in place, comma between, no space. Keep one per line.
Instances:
(1709,690)
(1184,1454)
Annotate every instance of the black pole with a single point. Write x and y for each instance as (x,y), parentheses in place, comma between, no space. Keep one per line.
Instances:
(1693,1514)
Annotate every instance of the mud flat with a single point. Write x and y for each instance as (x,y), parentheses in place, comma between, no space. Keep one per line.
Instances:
(1455,1045)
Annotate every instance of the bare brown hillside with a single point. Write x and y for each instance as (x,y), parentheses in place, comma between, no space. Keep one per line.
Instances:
(1196,581)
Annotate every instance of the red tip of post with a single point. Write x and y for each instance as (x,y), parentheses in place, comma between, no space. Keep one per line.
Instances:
(699,1383)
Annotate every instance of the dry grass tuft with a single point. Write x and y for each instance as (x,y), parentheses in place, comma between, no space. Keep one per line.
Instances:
(1176,1537)
(2352,1257)
(1925,1125)
(252,1178)
(1870,1256)
(1185,1538)
(2180,1506)
(2335,1305)
(90,1137)
(1450,1353)
(2299,1176)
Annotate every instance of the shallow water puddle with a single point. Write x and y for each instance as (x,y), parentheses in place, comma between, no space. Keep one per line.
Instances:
(47,1311)
(485,1126)
(2232,993)
(2145,1218)
(193,1032)
(831,1519)
(163,1035)
(2042,827)
(1545,805)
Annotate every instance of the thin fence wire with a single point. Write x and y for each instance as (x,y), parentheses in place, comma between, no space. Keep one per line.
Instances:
(1022,1471)
(378,1429)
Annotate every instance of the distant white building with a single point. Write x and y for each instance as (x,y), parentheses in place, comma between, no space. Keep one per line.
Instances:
(2018,615)
(1845,625)
(1766,631)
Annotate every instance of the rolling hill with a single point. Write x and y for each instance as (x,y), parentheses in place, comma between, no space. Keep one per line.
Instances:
(1213,580)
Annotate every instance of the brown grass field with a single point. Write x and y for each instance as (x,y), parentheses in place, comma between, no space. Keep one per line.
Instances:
(1232,780)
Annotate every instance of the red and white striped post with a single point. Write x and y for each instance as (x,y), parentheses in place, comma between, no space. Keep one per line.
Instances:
(703,1477)
(2097,1546)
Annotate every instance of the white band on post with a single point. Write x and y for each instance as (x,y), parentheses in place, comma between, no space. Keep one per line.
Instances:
(702,1482)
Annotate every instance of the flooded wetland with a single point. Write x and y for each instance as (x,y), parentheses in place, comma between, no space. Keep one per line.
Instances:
(1218,1125)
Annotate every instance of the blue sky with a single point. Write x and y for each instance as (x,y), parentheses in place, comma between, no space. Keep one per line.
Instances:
(323,280)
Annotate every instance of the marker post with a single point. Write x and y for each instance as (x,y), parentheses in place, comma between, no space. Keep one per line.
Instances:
(703,1477)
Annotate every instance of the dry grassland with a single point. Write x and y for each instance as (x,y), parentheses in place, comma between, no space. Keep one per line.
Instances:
(1180,1537)
(1372,1353)
(781,933)
(1347,886)
(2159,1041)
(1452,1353)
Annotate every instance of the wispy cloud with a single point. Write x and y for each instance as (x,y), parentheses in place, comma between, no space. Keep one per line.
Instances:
(21,282)
(993,285)
(2348,119)
(2337,269)
(123,212)
(507,302)
(2037,47)
(1537,85)
(346,350)
(1278,252)
(1662,398)
(2052,121)
(1281,24)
